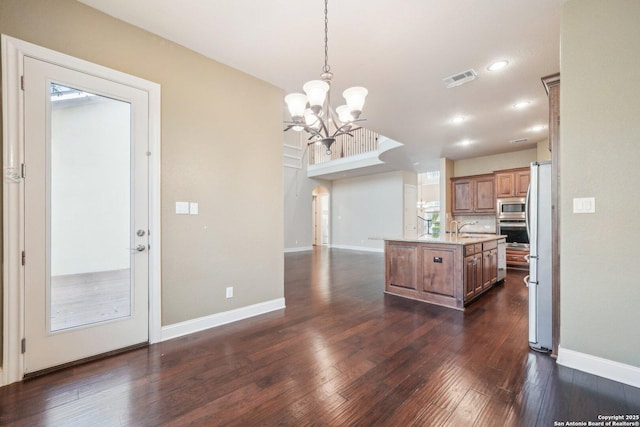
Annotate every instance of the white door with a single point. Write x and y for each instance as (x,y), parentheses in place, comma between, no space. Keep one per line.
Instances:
(86,215)
(324,218)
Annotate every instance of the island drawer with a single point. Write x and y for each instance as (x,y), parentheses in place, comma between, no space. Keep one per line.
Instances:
(472,249)
(487,246)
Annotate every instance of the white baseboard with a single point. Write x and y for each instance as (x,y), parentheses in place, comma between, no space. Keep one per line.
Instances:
(299,249)
(200,324)
(358,248)
(605,368)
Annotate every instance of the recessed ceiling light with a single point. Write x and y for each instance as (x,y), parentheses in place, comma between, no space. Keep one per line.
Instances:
(498,65)
(537,128)
(458,119)
(465,142)
(522,104)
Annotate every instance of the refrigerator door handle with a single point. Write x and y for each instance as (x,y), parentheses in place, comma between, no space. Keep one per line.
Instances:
(526,211)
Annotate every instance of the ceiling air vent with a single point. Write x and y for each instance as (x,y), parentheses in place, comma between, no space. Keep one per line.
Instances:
(460,78)
(518,141)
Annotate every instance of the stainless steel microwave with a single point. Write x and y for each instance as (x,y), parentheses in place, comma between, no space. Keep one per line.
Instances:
(511,208)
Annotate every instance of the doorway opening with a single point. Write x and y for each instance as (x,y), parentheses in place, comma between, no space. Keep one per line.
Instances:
(320,216)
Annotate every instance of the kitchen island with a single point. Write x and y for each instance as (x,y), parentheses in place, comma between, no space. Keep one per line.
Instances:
(449,270)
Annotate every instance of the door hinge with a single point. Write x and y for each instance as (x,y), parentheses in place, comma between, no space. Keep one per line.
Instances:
(23,345)
(23,257)
(23,170)
(22,82)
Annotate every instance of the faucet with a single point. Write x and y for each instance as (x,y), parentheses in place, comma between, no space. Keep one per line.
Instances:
(464,224)
(459,226)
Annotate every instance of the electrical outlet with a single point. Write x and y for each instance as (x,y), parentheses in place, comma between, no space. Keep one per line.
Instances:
(230,292)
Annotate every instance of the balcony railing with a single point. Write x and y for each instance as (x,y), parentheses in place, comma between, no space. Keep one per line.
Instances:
(363,141)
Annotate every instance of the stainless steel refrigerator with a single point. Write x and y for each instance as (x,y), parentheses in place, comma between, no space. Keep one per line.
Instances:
(538,221)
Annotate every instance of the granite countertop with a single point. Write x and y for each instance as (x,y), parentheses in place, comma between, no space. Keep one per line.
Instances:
(448,238)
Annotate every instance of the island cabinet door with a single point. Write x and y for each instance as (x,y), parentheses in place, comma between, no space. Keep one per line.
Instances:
(472,275)
(438,271)
(402,266)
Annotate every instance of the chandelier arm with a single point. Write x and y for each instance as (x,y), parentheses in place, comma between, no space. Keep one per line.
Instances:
(342,129)
(324,127)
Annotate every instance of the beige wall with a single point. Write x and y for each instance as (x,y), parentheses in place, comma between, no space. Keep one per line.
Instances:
(209,155)
(543,152)
(488,164)
(599,155)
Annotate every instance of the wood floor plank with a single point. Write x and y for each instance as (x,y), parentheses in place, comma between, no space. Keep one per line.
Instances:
(341,353)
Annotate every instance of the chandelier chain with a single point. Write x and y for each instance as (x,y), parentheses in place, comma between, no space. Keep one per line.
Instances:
(326,67)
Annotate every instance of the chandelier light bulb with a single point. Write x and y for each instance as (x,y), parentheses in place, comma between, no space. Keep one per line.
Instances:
(355,99)
(316,91)
(297,104)
(344,114)
(311,119)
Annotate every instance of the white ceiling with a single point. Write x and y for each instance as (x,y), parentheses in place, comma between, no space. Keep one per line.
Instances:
(400,50)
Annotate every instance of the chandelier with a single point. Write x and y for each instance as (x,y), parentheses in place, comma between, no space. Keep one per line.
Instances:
(312,111)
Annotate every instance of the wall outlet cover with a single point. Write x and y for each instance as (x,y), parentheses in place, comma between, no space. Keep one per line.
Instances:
(584,205)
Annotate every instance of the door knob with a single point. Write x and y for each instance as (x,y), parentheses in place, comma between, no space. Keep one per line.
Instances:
(140,232)
(140,248)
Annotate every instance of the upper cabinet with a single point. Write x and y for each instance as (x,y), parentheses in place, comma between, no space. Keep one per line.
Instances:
(512,182)
(473,195)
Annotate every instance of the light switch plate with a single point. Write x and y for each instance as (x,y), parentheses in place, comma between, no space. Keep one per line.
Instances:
(193,208)
(584,205)
(182,208)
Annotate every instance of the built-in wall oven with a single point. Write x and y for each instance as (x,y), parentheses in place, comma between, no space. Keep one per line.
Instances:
(511,221)
(516,232)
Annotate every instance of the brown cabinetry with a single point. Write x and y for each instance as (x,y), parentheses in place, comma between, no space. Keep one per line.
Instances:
(472,276)
(437,271)
(516,259)
(473,195)
(447,274)
(512,182)
(489,264)
(480,268)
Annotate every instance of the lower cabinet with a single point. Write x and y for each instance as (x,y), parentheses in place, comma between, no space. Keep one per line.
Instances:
(489,264)
(443,274)
(516,259)
(472,275)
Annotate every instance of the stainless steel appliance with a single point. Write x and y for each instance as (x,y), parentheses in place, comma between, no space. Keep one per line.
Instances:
(511,208)
(502,259)
(516,232)
(538,220)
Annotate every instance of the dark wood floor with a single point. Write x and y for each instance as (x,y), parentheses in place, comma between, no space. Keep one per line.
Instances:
(341,354)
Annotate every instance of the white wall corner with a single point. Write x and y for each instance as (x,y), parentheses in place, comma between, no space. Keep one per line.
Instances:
(599,366)
(200,324)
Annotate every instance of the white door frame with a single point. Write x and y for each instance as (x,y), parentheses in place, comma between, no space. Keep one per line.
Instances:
(13,52)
